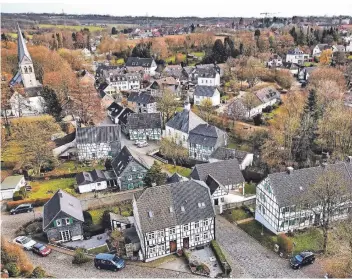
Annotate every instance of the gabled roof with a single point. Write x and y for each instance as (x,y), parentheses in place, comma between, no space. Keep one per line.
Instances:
(123,117)
(141,97)
(139,62)
(166,206)
(62,202)
(98,134)
(23,54)
(267,94)
(115,109)
(144,121)
(65,139)
(176,178)
(223,153)
(121,161)
(206,135)
(288,187)
(205,91)
(185,121)
(10,182)
(213,184)
(88,177)
(225,172)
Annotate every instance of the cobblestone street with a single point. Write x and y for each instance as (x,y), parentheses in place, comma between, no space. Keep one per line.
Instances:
(247,257)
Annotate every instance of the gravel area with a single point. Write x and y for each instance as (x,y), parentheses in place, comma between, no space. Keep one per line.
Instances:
(60,265)
(248,258)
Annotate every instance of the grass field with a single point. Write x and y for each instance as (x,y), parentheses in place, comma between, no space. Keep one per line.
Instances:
(11,154)
(180,170)
(46,188)
(71,167)
(309,240)
(14,35)
(72,27)
(97,214)
(97,250)
(198,54)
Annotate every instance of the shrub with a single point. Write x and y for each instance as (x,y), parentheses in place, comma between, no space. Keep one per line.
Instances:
(13,269)
(285,243)
(126,213)
(34,202)
(106,223)
(80,257)
(284,79)
(250,188)
(38,272)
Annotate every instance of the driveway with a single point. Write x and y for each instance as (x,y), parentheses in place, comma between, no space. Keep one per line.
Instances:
(247,257)
(60,265)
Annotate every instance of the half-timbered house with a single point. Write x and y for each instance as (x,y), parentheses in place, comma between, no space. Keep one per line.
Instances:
(95,143)
(144,126)
(184,219)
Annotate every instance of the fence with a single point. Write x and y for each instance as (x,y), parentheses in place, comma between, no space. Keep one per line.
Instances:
(248,202)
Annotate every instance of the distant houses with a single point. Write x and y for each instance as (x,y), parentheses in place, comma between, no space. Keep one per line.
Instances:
(148,64)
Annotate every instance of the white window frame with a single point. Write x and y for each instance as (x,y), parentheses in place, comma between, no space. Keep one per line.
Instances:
(67,221)
(205,235)
(196,225)
(160,234)
(206,223)
(152,250)
(58,223)
(129,178)
(134,168)
(172,230)
(197,238)
(186,227)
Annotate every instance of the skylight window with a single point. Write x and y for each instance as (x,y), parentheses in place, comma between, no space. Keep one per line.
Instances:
(182,208)
(171,209)
(150,214)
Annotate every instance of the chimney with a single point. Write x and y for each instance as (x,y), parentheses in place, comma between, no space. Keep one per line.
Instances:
(187,104)
(290,170)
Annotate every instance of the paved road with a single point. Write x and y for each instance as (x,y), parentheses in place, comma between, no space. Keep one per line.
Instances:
(247,257)
(60,265)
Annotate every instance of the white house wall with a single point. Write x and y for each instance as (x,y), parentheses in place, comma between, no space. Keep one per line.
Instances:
(180,137)
(86,151)
(97,186)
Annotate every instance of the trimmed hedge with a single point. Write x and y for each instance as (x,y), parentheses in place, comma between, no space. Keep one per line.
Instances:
(35,202)
(220,257)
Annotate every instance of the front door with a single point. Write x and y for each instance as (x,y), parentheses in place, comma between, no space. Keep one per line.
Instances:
(173,246)
(65,235)
(186,242)
(216,201)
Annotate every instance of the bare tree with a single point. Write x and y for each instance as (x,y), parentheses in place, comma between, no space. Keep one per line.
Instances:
(117,241)
(167,104)
(326,196)
(170,149)
(206,108)
(250,101)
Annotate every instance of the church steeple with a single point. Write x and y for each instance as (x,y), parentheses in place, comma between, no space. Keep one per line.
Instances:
(23,54)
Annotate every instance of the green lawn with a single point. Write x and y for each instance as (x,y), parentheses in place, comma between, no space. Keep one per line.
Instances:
(198,53)
(14,35)
(102,249)
(237,214)
(308,240)
(254,229)
(11,154)
(40,188)
(180,170)
(73,167)
(97,214)
(74,27)
(250,188)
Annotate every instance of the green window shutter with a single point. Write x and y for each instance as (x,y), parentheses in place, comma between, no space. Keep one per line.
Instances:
(55,225)
(71,220)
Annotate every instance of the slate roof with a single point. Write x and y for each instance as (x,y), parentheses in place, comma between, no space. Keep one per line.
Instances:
(173,71)
(98,134)
(121,161)
(322,46)
(88,177)
(65,139)
(123,117)
(125,77)
(64,202)
(213,184)
(137,61)
(176,178)
(267,94)
(185,121)
(223,153)
(115,109)
(225,172)
(295,51)
(141,97)
(156,202)
(10,182)
(288,187)
(206,135)
(205,91)
(144,121)
(22,47)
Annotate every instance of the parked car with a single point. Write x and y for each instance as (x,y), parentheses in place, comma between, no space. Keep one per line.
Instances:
(142,144)
(41,249)
(108,261)
(25,242)
(302,259)
(137,142)
(26,207)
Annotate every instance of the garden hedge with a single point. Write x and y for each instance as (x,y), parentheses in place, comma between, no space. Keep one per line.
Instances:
(35,202)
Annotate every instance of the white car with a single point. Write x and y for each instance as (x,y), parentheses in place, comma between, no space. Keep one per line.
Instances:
(24,241)
(141,144)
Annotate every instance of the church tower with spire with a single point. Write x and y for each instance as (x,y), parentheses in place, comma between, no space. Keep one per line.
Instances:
(25,73)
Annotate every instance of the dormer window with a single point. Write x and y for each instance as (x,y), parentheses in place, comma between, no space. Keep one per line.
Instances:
(171,209)
(150,214)
(182,208)
(129,177)
(58,223)
(134,168)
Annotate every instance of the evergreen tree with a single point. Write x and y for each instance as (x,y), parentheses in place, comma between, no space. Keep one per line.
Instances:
(304,142)
(219,52)
(142,50)
(155,176)
(294,34)
(241,21)
(241,48)
(113,31)
(52,105)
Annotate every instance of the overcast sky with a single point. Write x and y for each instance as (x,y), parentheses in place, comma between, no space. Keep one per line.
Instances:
(201,8)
